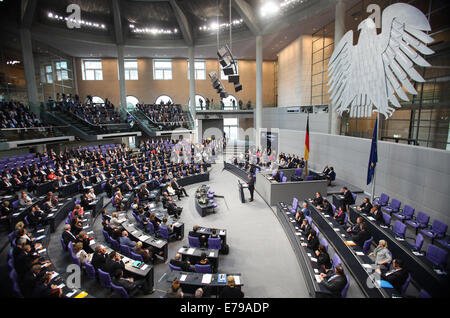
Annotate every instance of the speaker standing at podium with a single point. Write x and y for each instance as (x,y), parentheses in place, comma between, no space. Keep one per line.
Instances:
(251,186)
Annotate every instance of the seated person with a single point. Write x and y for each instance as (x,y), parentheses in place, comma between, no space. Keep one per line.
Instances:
(173,209)
(84,238)
(299,217)
(396,277)
(362,236)
(25,200)
(44,288)
(99,257)
(131,286)
(175,290)
(313,241)
(318,200)
(125,240)
(115,223)
(202,238)
(348,198)
(305,209)
(230,290)
(355,228)
(377,214)
(81,254)
(336,282)
(365,207)
(340,216)
(326,207)
(331,176)
(145,253)
(323,259)
(305,227)
(184,265)
(113,264)
(68,236)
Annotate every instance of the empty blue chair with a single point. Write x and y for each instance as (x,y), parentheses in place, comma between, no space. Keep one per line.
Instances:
(399,229)
(418,243)
(136,257)
(15,285)
(445,242)
(406,214)
(125,250)
(366,245)
(316,229)
(150,228)
(104,278)
(393,207)
(345,290)
(294,206)
(203,268)
(438,230)
(164,233)
(90,270)
(382,200)
(437,256)
(298,172)
(120,291)
(336,261)
(386,219)
(423,294)
(420,222)
(214,243)
(406,284)
(309,178)
(174,268)
(194,241)
(324,242)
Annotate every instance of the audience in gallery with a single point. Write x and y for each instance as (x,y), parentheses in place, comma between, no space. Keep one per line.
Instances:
(14,114)
(167,115)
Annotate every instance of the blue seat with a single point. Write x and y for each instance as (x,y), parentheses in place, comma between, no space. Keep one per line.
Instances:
(420,222)
(125,250)
(174,268)
(382,200)
(345,290)
(405,285)
(90,270)
(120,291)
(214,243)
(136,257)
(164,233)
(115,245)
(64,246)
(423,294)
(406,214)
(393,207)
(104,278)
(437,256)
(438,230)
(399,229)
(194,241)
(203,268)
(367,244)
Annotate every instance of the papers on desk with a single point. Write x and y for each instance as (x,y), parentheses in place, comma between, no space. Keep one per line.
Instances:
(336,229)
(59,204)
(190,251)
(326,215)
(92,242)
(90,232)
(177,224)
(302,238)
(50,215)
(317,278)
(81,295)
(316,271)
(40,237)
(40,231)
(237,280)
(61,285)
(343,235)
(134,232)
(367,266)
(15,214)
(211,254)
(144,237)
(417,253)
(183,278)
(55,274)
(350,243)
(86,226)
(222,232)
(293,221)
(360,253)
(71,293)
(125,259)
(87,213)
(298,233)
(206,279)
(42,251)
(371,218)
(144,267)
(313,259)
(399,239)
(309,254)
(159,241)
(54,209)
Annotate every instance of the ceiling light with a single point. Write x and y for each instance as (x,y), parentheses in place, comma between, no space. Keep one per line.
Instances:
(269,8)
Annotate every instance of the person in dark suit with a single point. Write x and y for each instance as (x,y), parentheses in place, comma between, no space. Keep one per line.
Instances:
(313,240)
(326,207)
(365,207)
(323,258)
(113,264)
(397,277)
(230,290)
(331,176)
(84,238)
(68,236)
(131,286)
(201,237)
(377,214)
(348,198)
(318,200)
(99,257)
(354,229)
(362,236)
(340,216)
(45,289)
(184,265)
(305,227)
(334,283)
(30,280)
(251,186)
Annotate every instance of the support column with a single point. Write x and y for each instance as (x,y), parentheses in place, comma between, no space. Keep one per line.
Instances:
(192,105)
(258,109)
(122,86)
(28,65)
(334,121)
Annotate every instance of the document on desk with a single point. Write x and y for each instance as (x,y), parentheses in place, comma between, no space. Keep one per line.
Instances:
(86,226)
(211,254)
(50,215)
(206,279)
(336,229)
(134,232)
(316,271)
(371,218)
(237,280)
(144,237)
(222,232)
(55,274)
(183,278)
(71,293)
(313,259)
(298,233)
(40,231)
(368,266)
(42,251)
(309,254)
(190,251)
(92,242)
(317,278)
(144,267)
(59,204)
(61,285)
(360,253)
(90,232)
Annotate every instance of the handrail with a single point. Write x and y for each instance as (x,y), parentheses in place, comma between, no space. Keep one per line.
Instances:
(95,125)
(34,128)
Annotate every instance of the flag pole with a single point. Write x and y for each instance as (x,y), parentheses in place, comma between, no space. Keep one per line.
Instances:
(375,169)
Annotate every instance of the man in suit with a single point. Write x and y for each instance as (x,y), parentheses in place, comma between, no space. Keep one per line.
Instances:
(326,170)
(334,283)
(99,257)
(362,236)
(113,264)
(195,233)
(184,265)
(178,188)
(30,280)
(251,186)
(396,277)
(326,207)
(356,227)
(125,240)
(67,235)
(348,198)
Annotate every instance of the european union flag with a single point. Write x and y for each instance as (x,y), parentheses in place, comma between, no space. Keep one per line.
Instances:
(373,155)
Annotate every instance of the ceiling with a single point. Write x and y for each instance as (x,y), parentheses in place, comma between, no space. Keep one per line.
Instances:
(183,18)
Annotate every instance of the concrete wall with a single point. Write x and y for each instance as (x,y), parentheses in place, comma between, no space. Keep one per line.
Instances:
(212,125)
(294,73)
(146,89)
(417,176)
(278,117)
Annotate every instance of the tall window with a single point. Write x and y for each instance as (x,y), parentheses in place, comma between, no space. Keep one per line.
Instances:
(230,127)
(92,70)
(230,102)
(163,98)
(225,77)
(97,100)
(200,70)
(61,71)
(132,101)
(131,69)
(48,69)
(162,69)
(200,102)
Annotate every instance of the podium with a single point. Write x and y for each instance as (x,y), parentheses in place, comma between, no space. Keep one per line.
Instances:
(241,187)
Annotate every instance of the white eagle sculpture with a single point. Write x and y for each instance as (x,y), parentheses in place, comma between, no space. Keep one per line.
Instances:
(367,76)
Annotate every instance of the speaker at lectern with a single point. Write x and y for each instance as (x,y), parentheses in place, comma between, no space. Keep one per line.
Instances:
(241,187)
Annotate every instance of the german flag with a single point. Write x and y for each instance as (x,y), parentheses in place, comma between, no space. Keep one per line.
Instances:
(306,156)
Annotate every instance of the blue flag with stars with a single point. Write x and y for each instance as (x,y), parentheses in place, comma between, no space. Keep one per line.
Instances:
(373,155)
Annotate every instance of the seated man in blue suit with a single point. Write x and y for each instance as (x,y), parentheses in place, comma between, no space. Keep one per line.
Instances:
(125,240)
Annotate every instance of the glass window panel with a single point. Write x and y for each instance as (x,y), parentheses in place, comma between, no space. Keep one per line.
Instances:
(159,74)
(90,75)
(317,68)
(98,75)
(133,75)
(167,74)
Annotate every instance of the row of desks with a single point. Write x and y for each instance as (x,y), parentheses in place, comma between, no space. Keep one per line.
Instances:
(418,265)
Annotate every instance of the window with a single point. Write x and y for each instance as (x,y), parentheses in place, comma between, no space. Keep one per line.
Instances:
(92,70)
(162,69)
(48,74)
(230,102)
(132,101)
(61,71)
(163,98)
(200,70)
(131,70)
(230,128)
(200,102)
(97,100)
(225,77)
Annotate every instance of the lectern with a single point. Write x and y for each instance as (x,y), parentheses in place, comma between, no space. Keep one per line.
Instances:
(241,191)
